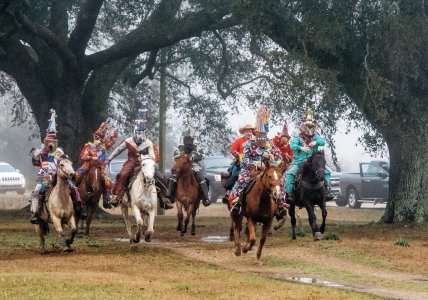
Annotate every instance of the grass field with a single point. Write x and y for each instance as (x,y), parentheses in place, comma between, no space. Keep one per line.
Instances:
(365,262)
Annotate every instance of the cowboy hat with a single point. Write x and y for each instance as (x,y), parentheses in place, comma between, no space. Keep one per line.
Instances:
(246,127)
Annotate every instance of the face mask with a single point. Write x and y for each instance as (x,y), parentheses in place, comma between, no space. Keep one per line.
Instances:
(261,141)
(188,148)
(140,136)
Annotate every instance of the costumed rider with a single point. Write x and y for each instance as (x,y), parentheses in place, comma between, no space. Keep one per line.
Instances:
(304,144)
(103,138)
(281,141)
(136,145)
(46,159)
(195,154)
(257,152)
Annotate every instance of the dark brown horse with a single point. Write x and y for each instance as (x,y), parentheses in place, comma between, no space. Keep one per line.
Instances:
(310,191)
(258,206)
(90,190)
(187,194)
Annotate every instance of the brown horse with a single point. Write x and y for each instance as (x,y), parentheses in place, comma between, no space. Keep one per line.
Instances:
(258,205)
(90,190)
(59,207)
(187,194)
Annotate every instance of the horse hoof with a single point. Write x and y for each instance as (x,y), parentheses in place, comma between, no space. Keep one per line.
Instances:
(244,250)
(259,262)
(238,252)
(67,249)
(193,232)
(317,236)
(178,228)
(181,233)
(69,242)
(134,248)
(148,238)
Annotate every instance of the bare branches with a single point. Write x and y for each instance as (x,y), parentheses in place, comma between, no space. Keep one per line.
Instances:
(85,24)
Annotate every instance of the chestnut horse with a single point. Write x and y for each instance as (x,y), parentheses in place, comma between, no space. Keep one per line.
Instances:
(90,190)
(187,194)
(258,205)
(310,191)
(59,207)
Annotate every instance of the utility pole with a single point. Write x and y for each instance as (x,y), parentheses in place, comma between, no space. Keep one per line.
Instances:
(163,106)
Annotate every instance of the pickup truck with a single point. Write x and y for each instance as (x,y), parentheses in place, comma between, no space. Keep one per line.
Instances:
(369,185)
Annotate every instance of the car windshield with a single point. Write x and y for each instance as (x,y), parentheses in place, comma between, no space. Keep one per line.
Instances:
(217,162)
(115,167)
(7,168)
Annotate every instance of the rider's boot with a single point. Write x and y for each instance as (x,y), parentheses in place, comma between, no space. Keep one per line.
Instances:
(116,200)
(235,206)
(225,198)
(170,193)
(165,203)
(328,192)
(77,204)
(35,218)
(205,197)
(106,196)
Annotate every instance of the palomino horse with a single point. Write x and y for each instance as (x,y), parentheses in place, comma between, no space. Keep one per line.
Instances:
(90,190)
(187,193)
(59,207)
(142,200)
(310,191)
(258,205)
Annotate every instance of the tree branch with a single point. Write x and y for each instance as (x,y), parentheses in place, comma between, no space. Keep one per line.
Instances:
(51,39)
(147,72)
(152,35)
(59,19)
(224,65)
(86,20)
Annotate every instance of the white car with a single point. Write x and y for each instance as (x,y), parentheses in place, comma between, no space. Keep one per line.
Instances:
(11,179)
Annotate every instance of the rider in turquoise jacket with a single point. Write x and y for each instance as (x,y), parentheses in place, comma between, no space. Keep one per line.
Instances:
(304,145)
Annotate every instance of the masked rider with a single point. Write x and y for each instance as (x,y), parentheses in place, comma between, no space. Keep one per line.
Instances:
(195,154)
(46,159)
(281,141)
(237,150)
(304,145)
(104,138)
(136,145)
(257,152)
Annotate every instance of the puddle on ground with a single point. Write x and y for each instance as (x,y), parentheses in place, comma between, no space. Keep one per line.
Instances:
(309,280)
(215,239)
(127,240)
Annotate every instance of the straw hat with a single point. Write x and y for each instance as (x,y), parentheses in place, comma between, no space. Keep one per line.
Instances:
(246,127)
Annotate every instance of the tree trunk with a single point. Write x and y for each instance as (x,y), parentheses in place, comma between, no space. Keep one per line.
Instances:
(408,181)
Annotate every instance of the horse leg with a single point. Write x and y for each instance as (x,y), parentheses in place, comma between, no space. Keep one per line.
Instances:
(150,230)
(280,224)
(72,223)
(193,232)
(189,211)
(125,216)
(313,222)
(90,210)
(251,235)
(300,230)
(58,227)
(39,233)
(140,223)
(179,216)
(265,231)
(324,217)
(237,231)
(292,213)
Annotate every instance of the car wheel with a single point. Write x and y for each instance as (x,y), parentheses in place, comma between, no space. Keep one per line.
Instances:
(340,201)
(352,199)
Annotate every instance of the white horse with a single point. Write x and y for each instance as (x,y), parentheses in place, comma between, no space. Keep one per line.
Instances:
(143,201)
(59,207)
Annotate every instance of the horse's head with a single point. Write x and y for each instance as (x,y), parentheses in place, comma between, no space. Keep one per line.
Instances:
(65,167)
(182,164)
(94,175)
(271,179)
(147,167)
(317,160)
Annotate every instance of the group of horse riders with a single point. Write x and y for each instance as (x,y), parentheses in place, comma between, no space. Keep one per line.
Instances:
(103,138)
(253,150)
